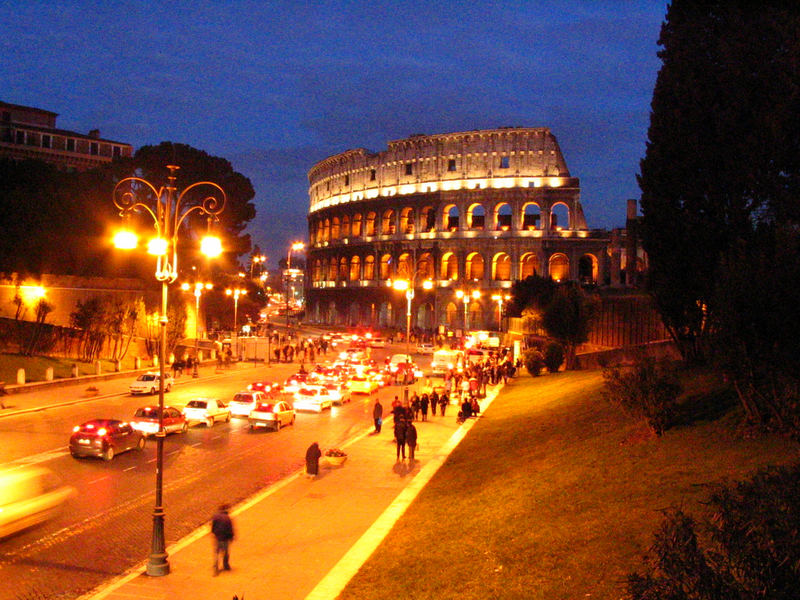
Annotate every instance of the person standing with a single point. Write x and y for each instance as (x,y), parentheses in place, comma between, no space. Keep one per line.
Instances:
(377,415)
(444,400)
(411,440)
(222,529)
(313,455)
(434,402)
(400,437)
(423,406)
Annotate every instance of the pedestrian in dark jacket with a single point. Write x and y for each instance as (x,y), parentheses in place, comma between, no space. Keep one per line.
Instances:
(400,437)
(222,529)
(423,406)
(377,415)
(411,440)
(313,455)
(444,400)
(434,402)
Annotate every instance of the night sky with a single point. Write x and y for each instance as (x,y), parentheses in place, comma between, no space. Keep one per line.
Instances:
(276,86)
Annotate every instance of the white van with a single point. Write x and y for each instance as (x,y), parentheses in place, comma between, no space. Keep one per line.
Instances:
(444,360)
(29,496)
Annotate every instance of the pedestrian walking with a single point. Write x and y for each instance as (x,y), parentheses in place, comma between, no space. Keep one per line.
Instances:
(377,415)
(400,438)
(313,455)
(443,402)
(222,529)
(415,406)
(434,402)
(423,406)
(411,440)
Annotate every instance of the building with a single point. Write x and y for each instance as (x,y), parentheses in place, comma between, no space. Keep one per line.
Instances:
(458,216)
(31,133)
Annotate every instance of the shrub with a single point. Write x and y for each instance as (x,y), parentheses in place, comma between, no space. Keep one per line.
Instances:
(647,390)
(534,362)
(748,549)
(553,356)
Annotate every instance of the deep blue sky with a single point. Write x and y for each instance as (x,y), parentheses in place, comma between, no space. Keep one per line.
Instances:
(276,86)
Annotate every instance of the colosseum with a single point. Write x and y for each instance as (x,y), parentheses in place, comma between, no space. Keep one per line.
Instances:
(457,217)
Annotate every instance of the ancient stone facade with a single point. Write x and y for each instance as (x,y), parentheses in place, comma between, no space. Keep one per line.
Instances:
(460,216)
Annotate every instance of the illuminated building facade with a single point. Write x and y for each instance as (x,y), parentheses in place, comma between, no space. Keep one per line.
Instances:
(31,133)
(469,212)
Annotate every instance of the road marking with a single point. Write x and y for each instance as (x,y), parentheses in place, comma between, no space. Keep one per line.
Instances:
(152,460)
(99,479)
(35,459)
(130,468)
(197,444)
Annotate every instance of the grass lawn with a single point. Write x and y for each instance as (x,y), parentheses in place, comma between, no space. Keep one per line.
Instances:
(35,367)
(555,494)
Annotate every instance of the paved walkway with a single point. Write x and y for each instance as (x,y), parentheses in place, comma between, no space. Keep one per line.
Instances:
(305,538)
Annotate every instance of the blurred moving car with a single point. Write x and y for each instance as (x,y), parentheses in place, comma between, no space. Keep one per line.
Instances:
(272,414)
(294,382)
(104,438)
(146,420)
(29,496)
(312,397)
(377,343)
(244,402)
(424,348)
(147,383)
(207,410)
(362,384)
(339,393)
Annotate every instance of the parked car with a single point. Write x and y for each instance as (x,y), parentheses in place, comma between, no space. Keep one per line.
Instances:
(147,383)
(146,420)
(315,398)
(272,414)
(244,402)
(206,410)
(362,384)
(29,496)
(104,438)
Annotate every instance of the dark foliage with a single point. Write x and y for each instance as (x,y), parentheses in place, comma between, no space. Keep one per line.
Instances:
(532,292)
(748,549)
(553,356)
(533,361)
(568,318)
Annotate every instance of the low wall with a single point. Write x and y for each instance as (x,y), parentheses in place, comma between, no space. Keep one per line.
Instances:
(626,356)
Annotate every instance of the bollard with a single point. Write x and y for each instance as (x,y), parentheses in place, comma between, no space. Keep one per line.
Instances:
(75,371)
(98,367)
(48,374)
(20,376)
(137,363)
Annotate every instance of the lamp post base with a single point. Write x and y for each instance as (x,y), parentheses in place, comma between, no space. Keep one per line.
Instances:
(157,565)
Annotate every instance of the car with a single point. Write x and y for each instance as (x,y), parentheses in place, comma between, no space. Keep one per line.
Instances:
(259,386)
(377,343)
(315,398)
(104,438)
(271,414)
(206,410)
(244,402)
(340,394)
(28,496)
(424,348)
(145,419)
(398,359)
(362,384)
(445,360)
(147,383)
(294,382)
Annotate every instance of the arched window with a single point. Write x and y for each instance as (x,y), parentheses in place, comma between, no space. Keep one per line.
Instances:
(427,219)
(387,224)
(405,270)
(332,270)
(425,269)
(450,217)
(345,232)
(335,228)
(559,217)
(474,266)
(386,266)
(501,267)
(587,269)
(356,226)
(476,215)
(449,266)
(407,220)
(531,217)
(369,268)
(528,265)
(355,268)
(502,217)
(343,268)
(316,272)
(559,267)
(451,315)
(326,230)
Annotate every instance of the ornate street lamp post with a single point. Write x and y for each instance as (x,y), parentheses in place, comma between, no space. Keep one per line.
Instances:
(259,258)
(297,247)
(236,292)
(168,211)
(499,299)
(465,296)
(198,290)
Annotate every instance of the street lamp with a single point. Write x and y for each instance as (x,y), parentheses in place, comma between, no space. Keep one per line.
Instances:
(169,210)
(259,258)
(236,292)
(297,247)
(499,299)
(404,285)
(198,290)
(465,296)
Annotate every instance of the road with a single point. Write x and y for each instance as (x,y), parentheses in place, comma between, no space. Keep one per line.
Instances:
(106,528)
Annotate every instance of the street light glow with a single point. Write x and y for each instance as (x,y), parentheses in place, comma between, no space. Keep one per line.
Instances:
(125,239)
(157,246)
(211,246)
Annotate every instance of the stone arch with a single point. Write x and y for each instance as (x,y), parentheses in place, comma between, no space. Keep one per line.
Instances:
(474,266)
(449,268)
(427,219)
(355,227)
(316,271)
(531,217)
(385,267)
(369,267)
(425,316)
(450,217)
(407,220)
(560,216)
(587,269)
(385,315)
(476,216)
(332,269)
(335,231)
(343,269)
(559,266)
(326,230)
(451,315)
(425,267)
(355,268)
(354,314)
(501,267)
(332,313)
(502,216)
(387,222)
(405,270)
(476,315)
(528,265)
(370,223)
(345,231)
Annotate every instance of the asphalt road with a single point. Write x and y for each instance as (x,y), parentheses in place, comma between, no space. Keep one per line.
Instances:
(106,528)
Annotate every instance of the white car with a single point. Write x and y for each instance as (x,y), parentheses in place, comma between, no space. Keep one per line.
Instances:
(147,383)
(377,343)
(315,398)
(271,414)
(244,402)
(339,393)
(206,410)
(29,496)
(424,348)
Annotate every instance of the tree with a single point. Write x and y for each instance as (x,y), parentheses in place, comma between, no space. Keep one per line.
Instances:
(568,318)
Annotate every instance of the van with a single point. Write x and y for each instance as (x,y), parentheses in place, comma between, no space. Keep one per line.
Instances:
(444,360)
(29,496)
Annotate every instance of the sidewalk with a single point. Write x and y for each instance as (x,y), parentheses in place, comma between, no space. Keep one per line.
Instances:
(305,538)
